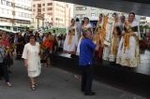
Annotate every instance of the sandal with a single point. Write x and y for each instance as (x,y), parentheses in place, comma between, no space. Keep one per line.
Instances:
(33,88)
(36,84)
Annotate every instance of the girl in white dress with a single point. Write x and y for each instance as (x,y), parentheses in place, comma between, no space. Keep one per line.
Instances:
(31,56)
(71,41)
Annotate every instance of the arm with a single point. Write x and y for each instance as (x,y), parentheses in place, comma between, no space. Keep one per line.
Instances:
(93,46)
(24,55)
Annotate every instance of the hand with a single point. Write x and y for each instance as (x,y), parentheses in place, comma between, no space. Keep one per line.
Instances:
(97,47)
(123,33)
(25,63)
(94,42)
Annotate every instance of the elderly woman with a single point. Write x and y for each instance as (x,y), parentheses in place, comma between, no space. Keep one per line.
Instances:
(31,56)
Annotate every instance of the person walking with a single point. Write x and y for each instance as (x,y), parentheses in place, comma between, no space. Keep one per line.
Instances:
(87,48)
(3,67)
(31,56)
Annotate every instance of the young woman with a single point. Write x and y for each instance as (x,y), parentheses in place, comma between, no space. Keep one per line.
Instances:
(31,56)
(128,51)
(86,25)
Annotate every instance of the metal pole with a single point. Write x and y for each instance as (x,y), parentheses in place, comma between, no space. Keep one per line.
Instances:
(37,22)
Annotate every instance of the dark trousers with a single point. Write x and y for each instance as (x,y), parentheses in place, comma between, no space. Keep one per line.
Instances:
(87,79)
(19,51)
(4,72)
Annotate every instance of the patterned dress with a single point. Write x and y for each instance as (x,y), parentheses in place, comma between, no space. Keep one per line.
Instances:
(108,38)
(128,51)
(71,40)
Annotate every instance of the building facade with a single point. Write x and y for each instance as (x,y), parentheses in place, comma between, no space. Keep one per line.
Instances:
(81,11)
(49,13)
(15,14)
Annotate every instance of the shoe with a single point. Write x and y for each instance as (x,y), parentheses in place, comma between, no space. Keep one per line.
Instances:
(90,94)
(33,88)
(9,84)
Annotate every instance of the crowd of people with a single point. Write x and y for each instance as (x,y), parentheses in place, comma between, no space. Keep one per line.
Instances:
(15,45)
(118,37)
(115,39)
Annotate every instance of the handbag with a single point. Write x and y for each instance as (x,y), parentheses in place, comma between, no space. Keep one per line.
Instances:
(7,60)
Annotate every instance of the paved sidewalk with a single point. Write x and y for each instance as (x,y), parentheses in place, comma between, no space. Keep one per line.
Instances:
(55,83)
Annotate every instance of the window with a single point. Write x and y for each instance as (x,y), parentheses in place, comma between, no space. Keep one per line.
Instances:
(3,2)
(39,5)
(93,8)
(43,9)
(143,18)
(49,4)
(81,8)
(19,13)
(0,10)
(25,15)
(34,5)
(49,9)
(29,15)
(39,10)
(7,11)
(49,13)
(8,3)
(93,15)
(43,4)
(22,14)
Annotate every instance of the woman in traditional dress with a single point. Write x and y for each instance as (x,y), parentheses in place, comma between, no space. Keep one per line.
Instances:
(116,36)
(107,37)
(86,25)
(128,51)
(71,40)
(31,56)
(98,37)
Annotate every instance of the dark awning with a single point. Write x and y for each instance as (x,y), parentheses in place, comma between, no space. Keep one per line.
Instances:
(140,7)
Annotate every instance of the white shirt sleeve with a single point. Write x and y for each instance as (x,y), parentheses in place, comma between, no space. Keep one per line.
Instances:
(25,52)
